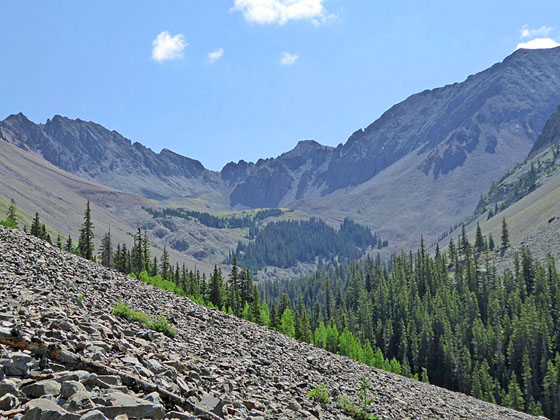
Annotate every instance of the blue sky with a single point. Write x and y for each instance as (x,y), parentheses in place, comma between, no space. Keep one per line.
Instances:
(280,70)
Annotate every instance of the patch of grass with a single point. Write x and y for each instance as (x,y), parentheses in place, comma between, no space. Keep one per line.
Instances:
(80,298)
(361,411)
(8,223)
(320,394)
(160,324)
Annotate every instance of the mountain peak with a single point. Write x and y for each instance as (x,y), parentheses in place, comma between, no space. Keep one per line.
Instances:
(306,147)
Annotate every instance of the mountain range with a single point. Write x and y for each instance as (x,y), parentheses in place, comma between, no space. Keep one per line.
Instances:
(417,170)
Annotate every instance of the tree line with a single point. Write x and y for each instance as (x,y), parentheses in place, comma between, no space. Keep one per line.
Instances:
(210,220)
(450,318)
(286,243)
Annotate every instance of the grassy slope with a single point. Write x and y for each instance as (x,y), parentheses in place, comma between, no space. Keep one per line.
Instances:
(60,198)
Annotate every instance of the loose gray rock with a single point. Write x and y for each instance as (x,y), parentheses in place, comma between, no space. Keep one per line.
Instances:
(41,388)
(8,401)
(93,415)
(44,409)
(218,367)
(69,388)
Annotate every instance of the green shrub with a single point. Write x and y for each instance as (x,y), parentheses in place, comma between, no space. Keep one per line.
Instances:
(160,324)
(80,298)
(361,411)
(8,223)
(319,394)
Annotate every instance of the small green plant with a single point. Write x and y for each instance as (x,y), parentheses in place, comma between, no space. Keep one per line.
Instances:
(361,411)
(80,298)
(8,223)
(160,324)
(320,394)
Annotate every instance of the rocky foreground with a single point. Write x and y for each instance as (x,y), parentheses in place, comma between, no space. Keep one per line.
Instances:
(64,355)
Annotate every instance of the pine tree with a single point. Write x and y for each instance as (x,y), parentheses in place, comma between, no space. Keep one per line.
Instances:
(146,250)
(215,295)
(479,240)
(106,250)
(69,247)
(85,242)
(164,264)
(59,242)
(505,234)
(491,244)
(36,226)
(137,254)
(154,268)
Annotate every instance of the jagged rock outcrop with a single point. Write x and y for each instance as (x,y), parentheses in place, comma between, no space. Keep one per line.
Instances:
(63,354)
(550,135)
(89,150)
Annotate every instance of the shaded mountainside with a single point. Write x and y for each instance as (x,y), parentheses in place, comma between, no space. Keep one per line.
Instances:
(542,164)
(528,197)
(75,356)
(418,169)
(550,136)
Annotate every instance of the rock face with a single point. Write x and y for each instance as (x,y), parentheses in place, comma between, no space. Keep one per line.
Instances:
(75,360)
(89,150)
(550,136)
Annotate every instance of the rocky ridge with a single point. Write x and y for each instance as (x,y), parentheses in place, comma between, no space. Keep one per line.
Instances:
(63,354)
(416,170)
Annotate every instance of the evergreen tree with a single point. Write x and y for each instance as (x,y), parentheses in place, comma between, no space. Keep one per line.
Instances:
(146,250)
(106,250)
(85,242)
(36,226)
(505,234)
(216,293)
(137,254)
(154,271)
(479,240)
(491,244)
(164,266)
(69,247)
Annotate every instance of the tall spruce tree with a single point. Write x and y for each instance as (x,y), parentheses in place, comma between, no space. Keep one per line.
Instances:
(85,242)
(36,226)
(505,234)
(137,254)
(164,269)
(479,240)
(106,250)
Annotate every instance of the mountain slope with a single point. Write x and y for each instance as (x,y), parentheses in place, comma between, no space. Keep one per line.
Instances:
(218,366)
(418,169)
(91,151)
(528,197)
(60,197)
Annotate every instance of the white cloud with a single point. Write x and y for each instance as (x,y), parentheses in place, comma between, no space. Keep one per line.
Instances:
(288,59)
(167,47)
(543,31)
(282,11)
(215,55)
(538,43)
